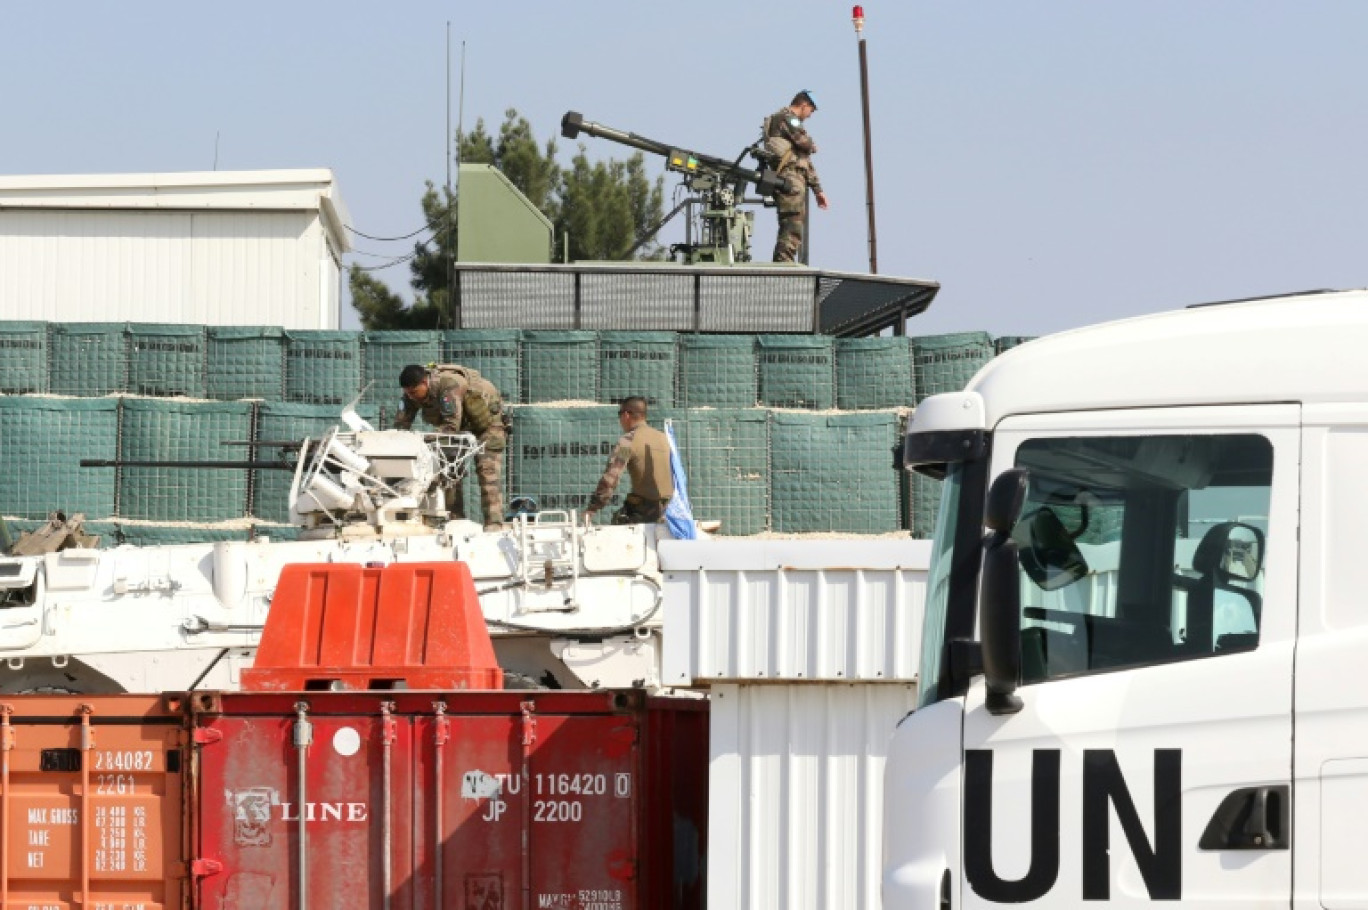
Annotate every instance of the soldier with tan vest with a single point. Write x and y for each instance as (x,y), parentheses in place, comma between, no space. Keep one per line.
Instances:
(644,453)
(457,399)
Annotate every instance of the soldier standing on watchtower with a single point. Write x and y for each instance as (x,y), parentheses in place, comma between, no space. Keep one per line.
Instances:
(457,399)
(791,149)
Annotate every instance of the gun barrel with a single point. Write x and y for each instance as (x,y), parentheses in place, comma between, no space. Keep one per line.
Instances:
(573,123)
(241,465)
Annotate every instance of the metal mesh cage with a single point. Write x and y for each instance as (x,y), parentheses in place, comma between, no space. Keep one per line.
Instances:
(23,357)
(166,360)
(245,362)
(717,371)
(322,367)
(89,359)
(834,472)
(560,366)
(1007,342)
(557,455)
(796,371)
(385,354)
(42,442)
(727,462)
(495,353)
(637,363)
(873,373)
(288,422)
(946,363)
(169,430)
(924,494)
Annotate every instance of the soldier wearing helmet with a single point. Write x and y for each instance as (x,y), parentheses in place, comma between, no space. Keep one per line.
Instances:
(791,149)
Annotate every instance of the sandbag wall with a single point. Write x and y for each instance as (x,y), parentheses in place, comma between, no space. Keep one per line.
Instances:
(779,433)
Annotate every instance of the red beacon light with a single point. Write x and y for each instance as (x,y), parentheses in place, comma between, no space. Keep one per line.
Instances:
(857,16)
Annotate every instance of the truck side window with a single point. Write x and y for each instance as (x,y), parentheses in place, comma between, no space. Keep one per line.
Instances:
(1139,550)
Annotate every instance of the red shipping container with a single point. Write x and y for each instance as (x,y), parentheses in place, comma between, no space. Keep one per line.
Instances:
(423,800)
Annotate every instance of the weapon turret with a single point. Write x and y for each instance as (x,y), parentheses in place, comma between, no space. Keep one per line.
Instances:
(719,185)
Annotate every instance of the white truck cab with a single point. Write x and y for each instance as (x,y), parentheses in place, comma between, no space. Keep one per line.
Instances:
(1146,615)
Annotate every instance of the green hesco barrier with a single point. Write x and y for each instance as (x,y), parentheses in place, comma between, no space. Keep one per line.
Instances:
(23,357)
(873,373)
(283,421)
(246,362)
(1007,342)
(560,366)
(946,363)
(384,356)
(166,360)
(89,359)
(726,459)
(153,535)
(494,352)
(42,442)
(557,455)
(924,495)
(168,430)
(322,366)
(834,472)
(717,371)
(637,363)
(796,371)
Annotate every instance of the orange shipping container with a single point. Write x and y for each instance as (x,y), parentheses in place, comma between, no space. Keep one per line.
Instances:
(91,803)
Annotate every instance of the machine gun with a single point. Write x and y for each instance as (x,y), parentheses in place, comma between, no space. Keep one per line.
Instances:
(719,187)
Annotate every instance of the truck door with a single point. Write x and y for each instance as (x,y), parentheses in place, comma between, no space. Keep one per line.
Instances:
(1151,758)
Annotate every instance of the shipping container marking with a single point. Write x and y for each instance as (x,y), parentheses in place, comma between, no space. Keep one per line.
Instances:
(253,808)
(581,900)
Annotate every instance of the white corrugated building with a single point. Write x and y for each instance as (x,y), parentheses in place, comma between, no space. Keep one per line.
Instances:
(211,247)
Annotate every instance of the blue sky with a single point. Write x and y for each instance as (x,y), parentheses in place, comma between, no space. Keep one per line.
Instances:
(1051,163)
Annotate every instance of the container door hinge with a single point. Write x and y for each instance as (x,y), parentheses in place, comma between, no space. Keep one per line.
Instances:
(203,868)
(207,736)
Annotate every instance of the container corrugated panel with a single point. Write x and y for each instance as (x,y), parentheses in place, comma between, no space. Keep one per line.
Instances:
(42,442)
(874,373)
(246,362)
(825,610)
(88,358)
(726,458)
(23,357)
(796,371)
(627,301)
(283,421)
(796,794)
(637,363)
(484,800)
(560,366)
(322,367)
(834,472)
(557,455)
(169,430)
(495,353)
(384,356)
(166,359)
(92,803)
(717,371)
(946,363)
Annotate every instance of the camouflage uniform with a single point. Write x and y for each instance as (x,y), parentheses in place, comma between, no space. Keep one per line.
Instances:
(799,173)
(644,453)
(460,400)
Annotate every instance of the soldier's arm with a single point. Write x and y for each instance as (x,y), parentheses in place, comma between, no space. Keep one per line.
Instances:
(609,481)
(451,405)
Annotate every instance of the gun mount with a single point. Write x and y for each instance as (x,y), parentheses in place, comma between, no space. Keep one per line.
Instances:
(717,185)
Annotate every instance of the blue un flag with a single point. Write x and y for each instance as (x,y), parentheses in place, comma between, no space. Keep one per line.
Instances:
(678,513)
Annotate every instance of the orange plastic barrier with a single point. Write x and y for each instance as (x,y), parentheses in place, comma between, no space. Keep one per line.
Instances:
(346,627)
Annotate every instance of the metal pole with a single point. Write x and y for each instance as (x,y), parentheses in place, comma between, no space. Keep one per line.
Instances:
(858,18)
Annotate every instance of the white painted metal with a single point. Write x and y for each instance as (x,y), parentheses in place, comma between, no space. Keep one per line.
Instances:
(218,248)
(814,610)
(796,792)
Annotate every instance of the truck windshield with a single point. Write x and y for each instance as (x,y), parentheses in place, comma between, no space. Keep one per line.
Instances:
(938,588)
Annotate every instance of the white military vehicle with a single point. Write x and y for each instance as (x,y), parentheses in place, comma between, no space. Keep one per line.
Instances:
(567,606)
(1146,615)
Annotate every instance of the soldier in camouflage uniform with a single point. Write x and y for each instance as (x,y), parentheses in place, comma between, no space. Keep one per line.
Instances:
(457,399)
(791,148)
(644,453)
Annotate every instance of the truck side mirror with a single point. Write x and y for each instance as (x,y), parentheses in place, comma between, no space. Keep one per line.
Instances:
(1000,594)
